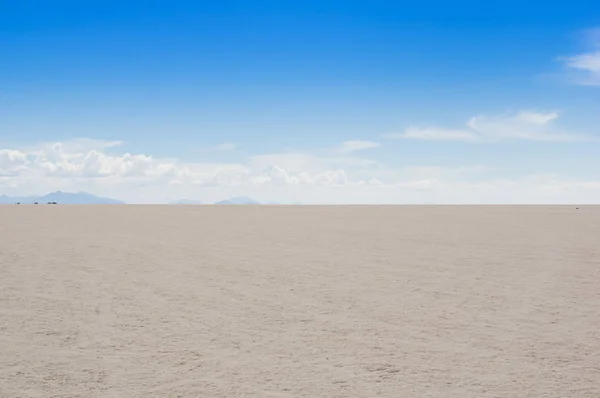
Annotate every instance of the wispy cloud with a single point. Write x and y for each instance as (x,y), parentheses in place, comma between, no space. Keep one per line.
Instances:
(585,67)
(435,134)
(525,125)
(223,147)
(588,66)
(358,145)
(226,146)
(84,144)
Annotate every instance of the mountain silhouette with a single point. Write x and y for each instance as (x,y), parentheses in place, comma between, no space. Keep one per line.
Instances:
(238,200)
(67,198)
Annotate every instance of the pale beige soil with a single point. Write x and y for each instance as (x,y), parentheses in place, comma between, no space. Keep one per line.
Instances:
(207,301)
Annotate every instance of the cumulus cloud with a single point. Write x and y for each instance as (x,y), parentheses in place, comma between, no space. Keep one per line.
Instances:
(298,162)
(525,126)
(12,162)
(283,177)
(90,162)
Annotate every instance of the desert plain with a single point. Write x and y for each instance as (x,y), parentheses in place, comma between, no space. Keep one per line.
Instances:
(299,301)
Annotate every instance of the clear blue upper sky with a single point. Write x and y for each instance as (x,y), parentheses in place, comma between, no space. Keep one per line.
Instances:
(227,81)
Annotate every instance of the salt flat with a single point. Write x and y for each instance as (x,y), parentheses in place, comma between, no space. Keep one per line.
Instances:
(276,301)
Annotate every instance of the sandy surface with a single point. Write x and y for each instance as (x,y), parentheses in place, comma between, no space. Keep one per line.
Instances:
(206,301)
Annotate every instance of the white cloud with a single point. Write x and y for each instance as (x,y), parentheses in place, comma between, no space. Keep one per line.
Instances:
(586,66)
(358,145)
(53,166)
(223,147)
(536,118)
(226,146)
(435,134)
(284,177)
(525,125)
(84,144)
(12,162)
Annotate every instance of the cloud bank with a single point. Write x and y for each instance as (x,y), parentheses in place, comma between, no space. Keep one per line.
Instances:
(290,177)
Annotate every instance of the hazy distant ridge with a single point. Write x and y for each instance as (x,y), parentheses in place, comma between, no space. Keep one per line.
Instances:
(79,198)
(239,200)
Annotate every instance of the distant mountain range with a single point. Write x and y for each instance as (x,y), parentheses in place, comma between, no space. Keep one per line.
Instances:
(84,198)
(79,198)
(239,200)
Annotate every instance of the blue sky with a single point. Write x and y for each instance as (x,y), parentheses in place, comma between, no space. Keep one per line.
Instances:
(312,101)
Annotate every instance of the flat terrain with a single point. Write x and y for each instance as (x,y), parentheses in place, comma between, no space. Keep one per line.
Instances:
(208,301)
